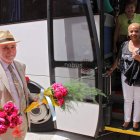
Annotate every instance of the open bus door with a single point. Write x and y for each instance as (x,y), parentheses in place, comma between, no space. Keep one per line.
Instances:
(113,105)
(74,53)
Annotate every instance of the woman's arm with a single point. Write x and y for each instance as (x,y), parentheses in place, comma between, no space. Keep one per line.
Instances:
(114,66)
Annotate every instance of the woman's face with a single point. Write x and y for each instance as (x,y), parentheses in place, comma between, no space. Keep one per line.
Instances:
(134,32)
(130,9)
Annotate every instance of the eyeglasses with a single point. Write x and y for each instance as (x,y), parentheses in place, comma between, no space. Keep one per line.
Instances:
(129,21)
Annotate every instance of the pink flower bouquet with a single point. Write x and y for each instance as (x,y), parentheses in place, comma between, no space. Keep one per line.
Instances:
(62,95)
(72,91)
(9,117)
(59,93)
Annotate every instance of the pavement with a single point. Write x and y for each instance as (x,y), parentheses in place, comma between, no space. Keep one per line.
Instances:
(55,135)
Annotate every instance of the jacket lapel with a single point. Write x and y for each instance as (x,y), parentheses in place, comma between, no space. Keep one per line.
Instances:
(3,78)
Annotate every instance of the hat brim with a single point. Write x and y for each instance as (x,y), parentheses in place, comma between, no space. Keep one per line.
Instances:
(8,42)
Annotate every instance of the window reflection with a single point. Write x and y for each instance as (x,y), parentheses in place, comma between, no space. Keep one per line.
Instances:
(67,8)
(26,10)
(34,9)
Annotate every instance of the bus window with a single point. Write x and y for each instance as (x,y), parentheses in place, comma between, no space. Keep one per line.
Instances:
(22,10)
(5,11)
(67,8)
(28,10)
(76,42)
(34,9)
(71,32)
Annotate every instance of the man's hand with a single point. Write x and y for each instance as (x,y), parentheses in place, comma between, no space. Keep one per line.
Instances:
(36,98)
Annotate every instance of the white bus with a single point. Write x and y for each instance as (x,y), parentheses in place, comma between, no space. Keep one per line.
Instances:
(62,40)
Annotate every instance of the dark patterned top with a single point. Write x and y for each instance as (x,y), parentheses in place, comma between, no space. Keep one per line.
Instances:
(128,66)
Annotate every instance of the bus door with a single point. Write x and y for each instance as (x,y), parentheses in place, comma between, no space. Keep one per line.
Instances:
(113,105)
(74,54)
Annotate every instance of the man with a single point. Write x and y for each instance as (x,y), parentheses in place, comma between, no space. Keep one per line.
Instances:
(8,89)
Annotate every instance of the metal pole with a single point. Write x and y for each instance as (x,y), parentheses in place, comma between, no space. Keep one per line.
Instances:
(50,44)
(50,41)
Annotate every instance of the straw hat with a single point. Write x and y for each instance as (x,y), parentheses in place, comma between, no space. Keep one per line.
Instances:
(6,37)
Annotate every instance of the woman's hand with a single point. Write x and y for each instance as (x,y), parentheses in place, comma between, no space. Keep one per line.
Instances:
(136,56)
(109,72)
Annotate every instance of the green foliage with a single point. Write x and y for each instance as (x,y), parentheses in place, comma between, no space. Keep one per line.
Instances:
(79,91)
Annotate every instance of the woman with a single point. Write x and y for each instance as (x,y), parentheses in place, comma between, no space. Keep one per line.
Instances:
(129,64)
(129,16)
(123,2)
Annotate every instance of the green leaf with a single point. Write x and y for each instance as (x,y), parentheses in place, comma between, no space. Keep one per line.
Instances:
(79,91)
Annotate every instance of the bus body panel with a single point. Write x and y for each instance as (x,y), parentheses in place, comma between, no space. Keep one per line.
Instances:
(73,122)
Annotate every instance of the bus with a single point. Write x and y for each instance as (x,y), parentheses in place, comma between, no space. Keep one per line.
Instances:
(61,40)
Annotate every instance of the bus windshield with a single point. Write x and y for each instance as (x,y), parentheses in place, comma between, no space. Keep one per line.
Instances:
(28,10)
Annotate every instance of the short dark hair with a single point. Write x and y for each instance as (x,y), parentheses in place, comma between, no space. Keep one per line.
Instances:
(131,3)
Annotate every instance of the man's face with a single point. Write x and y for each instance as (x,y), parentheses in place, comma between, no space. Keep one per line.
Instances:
(7,52)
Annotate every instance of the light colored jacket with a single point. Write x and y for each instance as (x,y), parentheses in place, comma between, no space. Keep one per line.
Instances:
(5,90)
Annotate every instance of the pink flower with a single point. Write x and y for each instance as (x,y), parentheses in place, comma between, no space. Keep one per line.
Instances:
(9,117)
(3,114)
(58,95)
(14,120)
(9,107)
(60,101)
(64,91)
(7,122)
(59,88)
(56,85)
(2,120)
(59,92)
(3,129)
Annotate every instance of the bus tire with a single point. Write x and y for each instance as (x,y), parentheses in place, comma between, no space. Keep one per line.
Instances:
(41,119)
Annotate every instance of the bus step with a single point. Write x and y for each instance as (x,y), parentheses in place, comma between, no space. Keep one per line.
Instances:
(118,130)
